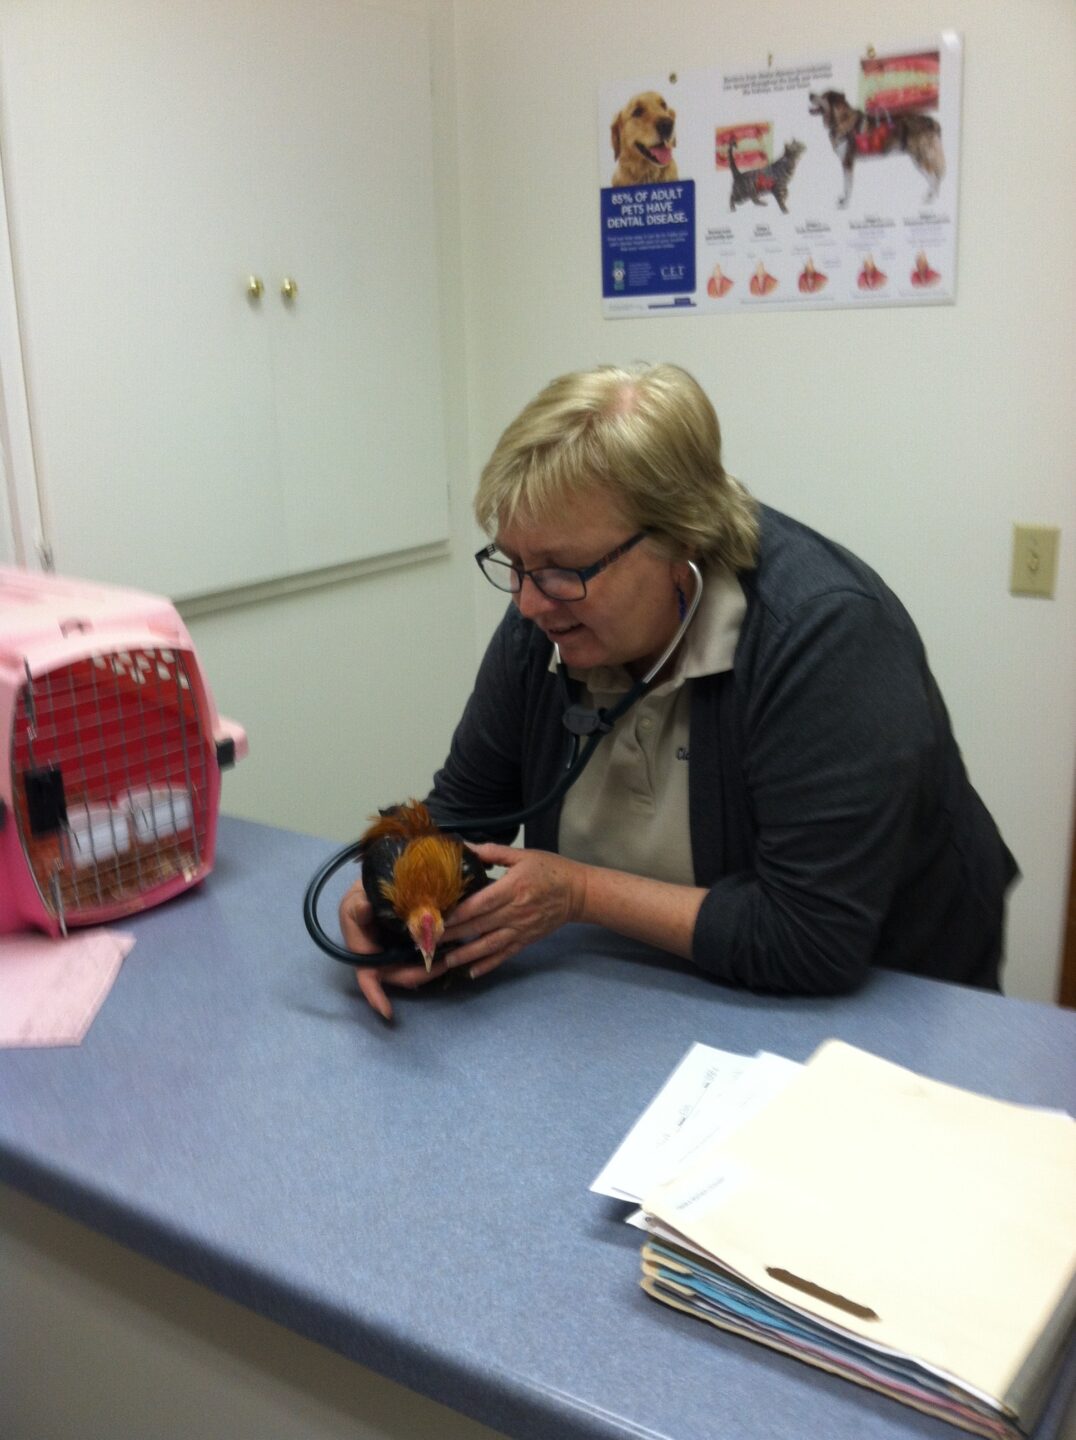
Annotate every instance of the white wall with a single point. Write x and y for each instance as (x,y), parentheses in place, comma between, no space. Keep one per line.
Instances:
(915,436)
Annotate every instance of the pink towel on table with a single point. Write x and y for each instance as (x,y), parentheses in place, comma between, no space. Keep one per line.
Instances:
(50,990)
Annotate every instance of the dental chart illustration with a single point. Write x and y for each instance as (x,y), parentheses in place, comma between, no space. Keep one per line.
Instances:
(829,182)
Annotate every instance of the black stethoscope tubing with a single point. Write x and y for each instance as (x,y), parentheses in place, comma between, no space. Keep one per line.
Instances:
(577,719)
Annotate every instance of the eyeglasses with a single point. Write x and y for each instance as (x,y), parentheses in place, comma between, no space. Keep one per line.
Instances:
(554,582)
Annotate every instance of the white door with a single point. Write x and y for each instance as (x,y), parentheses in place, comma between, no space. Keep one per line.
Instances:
(191,437)
(21,535)
(357,354)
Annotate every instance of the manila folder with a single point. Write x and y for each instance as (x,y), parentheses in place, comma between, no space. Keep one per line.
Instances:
(914,1215)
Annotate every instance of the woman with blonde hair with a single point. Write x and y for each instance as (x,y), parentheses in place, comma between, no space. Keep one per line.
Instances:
(778,795)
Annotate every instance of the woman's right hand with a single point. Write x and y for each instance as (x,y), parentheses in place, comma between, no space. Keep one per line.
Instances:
(359,930)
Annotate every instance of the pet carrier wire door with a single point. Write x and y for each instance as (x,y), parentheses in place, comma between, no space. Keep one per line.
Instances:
(112,750)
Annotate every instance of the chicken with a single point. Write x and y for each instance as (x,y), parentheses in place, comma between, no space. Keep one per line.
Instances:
(413,873)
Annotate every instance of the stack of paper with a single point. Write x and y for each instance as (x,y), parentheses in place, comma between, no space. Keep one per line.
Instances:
(709,1094)
(905,1234)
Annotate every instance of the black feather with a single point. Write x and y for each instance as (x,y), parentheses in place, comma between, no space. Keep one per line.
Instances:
(378,861)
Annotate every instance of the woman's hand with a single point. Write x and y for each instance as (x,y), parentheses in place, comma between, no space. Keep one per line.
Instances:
(360,934)
(537,894)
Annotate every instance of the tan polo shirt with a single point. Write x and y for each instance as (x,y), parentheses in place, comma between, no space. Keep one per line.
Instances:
(629,808)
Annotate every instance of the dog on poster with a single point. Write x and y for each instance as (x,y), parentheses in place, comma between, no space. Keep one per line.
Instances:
(855,135)
(644,136)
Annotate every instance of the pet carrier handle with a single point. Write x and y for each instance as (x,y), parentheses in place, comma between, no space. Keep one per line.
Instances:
(231,741)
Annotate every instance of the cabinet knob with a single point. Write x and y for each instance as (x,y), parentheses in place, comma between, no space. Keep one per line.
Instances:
(289,289)
(254,287)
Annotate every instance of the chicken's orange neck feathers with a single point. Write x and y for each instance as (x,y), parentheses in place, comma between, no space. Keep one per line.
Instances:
(428,874)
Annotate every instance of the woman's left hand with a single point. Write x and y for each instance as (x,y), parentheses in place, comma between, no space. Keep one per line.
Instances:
(537,894)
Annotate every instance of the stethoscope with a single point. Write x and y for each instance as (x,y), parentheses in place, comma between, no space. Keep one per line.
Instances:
(580,722)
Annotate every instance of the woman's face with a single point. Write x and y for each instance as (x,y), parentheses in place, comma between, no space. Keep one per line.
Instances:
(630,611)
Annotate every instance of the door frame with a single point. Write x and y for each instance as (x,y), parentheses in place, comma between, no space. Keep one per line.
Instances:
(23,532)
(1066,990)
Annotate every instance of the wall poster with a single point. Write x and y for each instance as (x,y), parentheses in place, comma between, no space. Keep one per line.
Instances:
(828,183)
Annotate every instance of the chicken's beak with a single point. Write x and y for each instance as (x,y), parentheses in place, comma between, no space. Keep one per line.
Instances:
(426,931)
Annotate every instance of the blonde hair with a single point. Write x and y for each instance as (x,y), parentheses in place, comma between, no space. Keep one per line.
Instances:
(648,437)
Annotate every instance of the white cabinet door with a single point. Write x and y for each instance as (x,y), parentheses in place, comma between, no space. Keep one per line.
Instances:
(190,438)
(357,355)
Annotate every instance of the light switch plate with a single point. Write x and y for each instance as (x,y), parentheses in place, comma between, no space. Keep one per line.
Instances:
(1034,560)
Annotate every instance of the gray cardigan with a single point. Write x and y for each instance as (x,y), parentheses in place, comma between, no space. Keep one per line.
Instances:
(832,821)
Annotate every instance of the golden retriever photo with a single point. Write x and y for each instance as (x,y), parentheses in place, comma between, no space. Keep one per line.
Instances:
(644,134)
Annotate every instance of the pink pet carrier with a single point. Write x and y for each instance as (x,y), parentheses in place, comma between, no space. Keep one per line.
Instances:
(110,753)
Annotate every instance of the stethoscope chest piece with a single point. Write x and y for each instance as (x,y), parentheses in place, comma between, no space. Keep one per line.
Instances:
(581,721)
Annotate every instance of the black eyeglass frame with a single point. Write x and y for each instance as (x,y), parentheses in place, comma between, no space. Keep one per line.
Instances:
(583,573)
